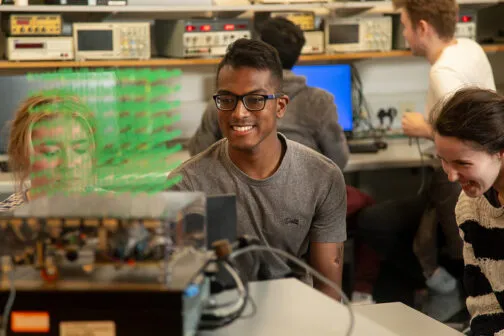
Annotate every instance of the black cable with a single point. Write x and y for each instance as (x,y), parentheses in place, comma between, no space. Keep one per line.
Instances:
(361,104)
(212,322)
(422,168)
(8,305)
(309,269)
(254,309)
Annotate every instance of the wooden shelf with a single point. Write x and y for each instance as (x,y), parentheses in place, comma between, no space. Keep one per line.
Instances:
(155,62)
(493,48)
(182,62)
(279,5)
(174,9)
(353,56)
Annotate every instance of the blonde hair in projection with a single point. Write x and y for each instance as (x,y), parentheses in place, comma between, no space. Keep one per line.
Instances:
(36,108)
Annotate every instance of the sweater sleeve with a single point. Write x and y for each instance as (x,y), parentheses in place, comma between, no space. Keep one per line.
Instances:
(483,264)
(208,131)
(330,137)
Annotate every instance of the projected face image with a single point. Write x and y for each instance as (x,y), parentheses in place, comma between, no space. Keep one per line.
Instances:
(61,159)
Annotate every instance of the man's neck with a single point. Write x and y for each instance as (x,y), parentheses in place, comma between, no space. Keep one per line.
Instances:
(436,48)
(256,164)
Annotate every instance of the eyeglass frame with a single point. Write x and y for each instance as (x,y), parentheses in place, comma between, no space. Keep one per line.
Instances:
(241,97)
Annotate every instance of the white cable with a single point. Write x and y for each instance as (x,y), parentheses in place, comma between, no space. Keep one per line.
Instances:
(230,307)
(8,304)
(301,263)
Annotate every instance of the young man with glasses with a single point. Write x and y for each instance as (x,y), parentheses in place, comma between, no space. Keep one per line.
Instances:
(288,196)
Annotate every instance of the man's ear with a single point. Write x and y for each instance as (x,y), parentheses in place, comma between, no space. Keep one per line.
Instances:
(282,106)
(501,154)
(423,27)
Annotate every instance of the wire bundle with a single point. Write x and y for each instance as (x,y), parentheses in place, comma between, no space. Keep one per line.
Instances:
(218,316)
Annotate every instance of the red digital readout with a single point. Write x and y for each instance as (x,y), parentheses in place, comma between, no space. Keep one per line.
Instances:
(205,28)
(466,18)
(28,45)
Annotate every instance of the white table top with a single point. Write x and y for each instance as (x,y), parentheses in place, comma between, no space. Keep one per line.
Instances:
(399,154)
(403,320)
(290,307)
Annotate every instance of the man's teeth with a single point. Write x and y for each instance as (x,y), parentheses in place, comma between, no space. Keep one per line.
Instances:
(242,128)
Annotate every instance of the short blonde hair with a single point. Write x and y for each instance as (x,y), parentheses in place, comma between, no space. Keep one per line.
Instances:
(440,14)
(31,111)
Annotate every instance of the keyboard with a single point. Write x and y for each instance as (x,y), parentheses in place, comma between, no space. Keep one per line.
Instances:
(369,146)
(364,147)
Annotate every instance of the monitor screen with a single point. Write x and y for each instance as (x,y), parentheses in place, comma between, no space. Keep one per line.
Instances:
(336,79)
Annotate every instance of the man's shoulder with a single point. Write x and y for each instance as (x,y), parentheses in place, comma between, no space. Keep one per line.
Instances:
(311,158)
(202,160)
(467,44)
(318,102)
(316,94)
(451,59)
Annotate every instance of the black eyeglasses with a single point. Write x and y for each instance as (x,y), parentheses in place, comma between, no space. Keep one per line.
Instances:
(252,102)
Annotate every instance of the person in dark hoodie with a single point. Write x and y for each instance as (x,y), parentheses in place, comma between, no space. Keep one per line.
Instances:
(311,118)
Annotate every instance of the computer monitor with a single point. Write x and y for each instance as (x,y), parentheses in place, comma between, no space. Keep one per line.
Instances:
(221,218)
(336,79)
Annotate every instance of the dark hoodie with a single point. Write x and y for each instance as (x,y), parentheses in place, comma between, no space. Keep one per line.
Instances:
(311,119)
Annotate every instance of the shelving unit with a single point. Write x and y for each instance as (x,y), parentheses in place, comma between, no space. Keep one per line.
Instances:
(175,9)
(184,11)
(181,62)
(281,5)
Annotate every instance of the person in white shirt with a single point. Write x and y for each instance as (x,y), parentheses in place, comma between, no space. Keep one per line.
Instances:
(461,63)
(429,28)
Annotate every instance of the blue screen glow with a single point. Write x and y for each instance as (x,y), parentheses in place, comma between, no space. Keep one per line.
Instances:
(336,79)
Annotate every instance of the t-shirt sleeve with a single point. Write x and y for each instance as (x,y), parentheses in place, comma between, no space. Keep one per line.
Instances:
(329,222)
(184,181)
(208,131)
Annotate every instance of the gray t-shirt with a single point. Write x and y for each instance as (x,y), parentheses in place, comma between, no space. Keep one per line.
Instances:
(303,201)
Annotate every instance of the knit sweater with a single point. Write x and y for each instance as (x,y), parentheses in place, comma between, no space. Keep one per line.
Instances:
(481,224)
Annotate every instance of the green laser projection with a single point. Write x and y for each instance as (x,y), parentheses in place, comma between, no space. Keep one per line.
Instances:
(105,130)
